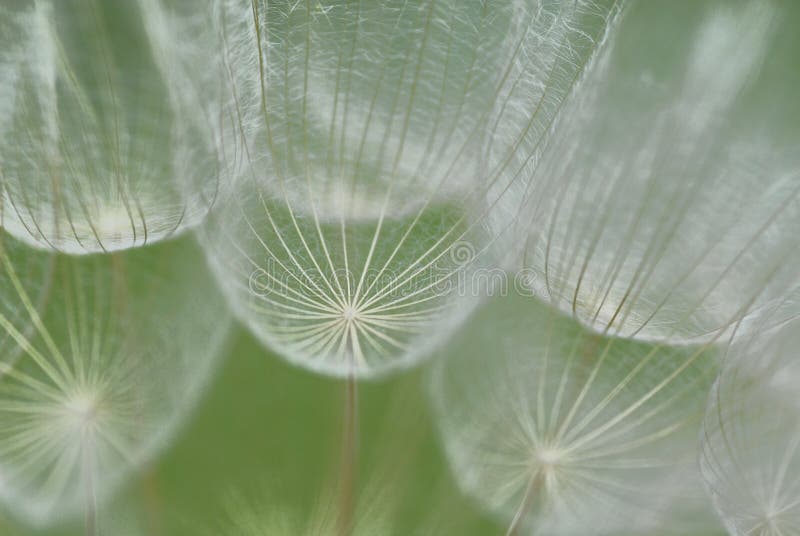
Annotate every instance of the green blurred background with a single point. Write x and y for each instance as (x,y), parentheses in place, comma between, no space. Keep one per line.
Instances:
(265,442)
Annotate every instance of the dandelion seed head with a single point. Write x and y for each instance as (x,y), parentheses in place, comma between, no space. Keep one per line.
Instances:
(563,431)
(549,458)
(113,222)
(93,382)
(350,313)
(665,211)
(82,409)
(355,154)
(750,444)
(269,515)
(92,151)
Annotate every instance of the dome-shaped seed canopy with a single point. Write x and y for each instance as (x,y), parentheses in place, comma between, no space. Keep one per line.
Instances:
(558,430)
(358,202)
(92,151)
(750,445)
(666,203)
(100,361)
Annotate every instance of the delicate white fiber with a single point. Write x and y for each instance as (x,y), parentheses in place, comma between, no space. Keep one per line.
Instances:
(91,145)
(750,445)
(666,203)
(560,431)
(100,361)
(353,134)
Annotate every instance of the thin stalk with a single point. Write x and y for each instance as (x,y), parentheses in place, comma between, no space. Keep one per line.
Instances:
(533,486)
(152,501)
(90,513)
(349,461)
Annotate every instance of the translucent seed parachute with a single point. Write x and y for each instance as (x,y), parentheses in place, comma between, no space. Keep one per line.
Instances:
(357,204)
(560,431)
(750,445)
(666,204)
(98,368)
(90,144)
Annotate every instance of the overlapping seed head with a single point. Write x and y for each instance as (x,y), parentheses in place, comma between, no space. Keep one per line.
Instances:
(102,356)
(359,203)
(666,204)
(750,445)
(558,430)
(91,149)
